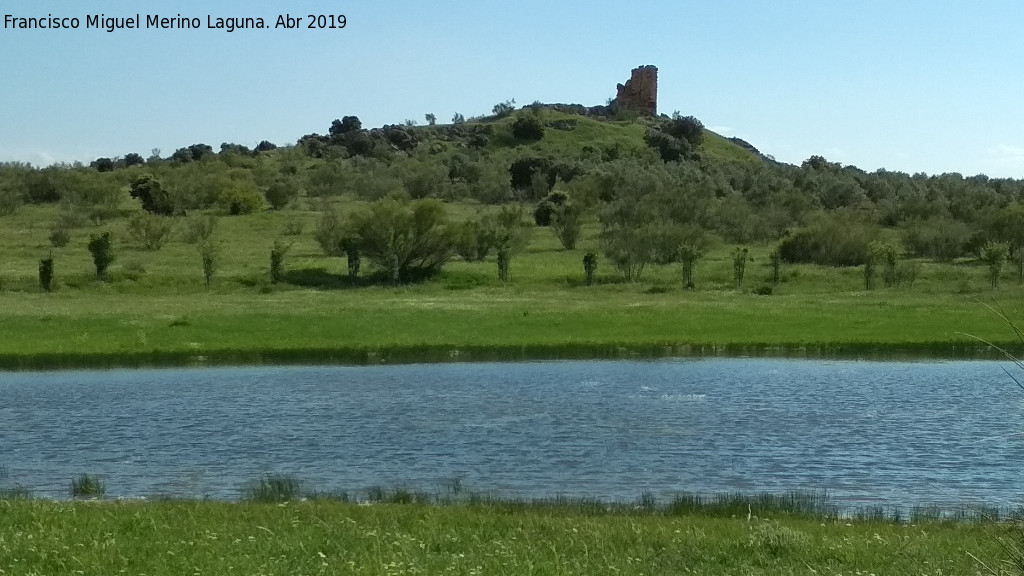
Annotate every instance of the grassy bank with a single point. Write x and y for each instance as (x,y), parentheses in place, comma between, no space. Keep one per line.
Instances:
(155,309)
(328,537)
(416,324)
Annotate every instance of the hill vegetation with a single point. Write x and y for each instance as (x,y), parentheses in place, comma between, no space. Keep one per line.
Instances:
(451,213)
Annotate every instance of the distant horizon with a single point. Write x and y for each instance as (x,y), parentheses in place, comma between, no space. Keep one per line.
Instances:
(915,87)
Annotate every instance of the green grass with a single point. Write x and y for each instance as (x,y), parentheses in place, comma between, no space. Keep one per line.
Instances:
(327,537)
(156,309)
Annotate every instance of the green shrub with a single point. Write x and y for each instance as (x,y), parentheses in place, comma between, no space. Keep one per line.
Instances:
(528,128)
(406,240)
(839,239)
(149,231)
(281,193)
(277,254)
(294,227)
(46,273)
(942,239)
(154,198)
(241,198)
(543,212)
(60,236)
(739,265)
(590,267)
(273,488)
(133,270)
(102,253)
(209,253)
(329,231)
(199,228)
(994,255)
(86,486)
(567,224)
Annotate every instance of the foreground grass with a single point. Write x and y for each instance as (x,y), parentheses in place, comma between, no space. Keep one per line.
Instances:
(325,537)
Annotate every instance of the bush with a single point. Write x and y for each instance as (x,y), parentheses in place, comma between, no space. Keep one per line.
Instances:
(199,228)
(407,240)
(241,198)
(277,254)
(670,149)
(273,488)
(60,236)
(994,255)
(210,255)
(281,193)
(329,232)
(510,237)
(46,273)
(543,212)
(568,224)
(590,267)
(835,240)
(102,253)
(942,239)
(11,195)
(86,486)
(293,227)
(154,198)
(528,128)
(149,231)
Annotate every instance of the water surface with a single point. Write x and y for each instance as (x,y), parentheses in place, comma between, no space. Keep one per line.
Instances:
(948,433)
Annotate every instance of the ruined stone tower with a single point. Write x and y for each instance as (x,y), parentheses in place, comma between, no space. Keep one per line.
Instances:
(640,92)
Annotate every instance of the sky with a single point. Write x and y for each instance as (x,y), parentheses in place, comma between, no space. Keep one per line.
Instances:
(913,86)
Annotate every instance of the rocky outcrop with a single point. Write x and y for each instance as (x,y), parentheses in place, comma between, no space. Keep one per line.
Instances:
(640,92)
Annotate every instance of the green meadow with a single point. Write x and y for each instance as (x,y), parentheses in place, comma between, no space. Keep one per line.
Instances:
(155,309)
(330,537)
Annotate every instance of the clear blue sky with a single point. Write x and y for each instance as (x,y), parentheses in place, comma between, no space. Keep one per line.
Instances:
(933,86)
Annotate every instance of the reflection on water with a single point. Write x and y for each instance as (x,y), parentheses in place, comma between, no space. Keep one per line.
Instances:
(895,433)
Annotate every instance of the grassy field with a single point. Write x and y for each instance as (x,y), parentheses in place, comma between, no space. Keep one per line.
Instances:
(156,309)
(328,537)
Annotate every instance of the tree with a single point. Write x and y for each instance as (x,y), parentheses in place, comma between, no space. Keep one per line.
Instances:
(133,159)
(277,253)
(994,255)
(103,165)
(511,235)
(281,192)
(670,149)
(407,240)
(458,118)
(639,223)
(150,231)
(102,253)
(345,125)
(775,261)
(567,224)
(431,119)
(502,109)
(46,273)
(687,128)
(739,265)
(151,193)
(689,254)
(266,146)
(528,128)
(209,252)
(590,267)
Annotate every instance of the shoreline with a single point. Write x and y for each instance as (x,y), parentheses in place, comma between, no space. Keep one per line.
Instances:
(443,353)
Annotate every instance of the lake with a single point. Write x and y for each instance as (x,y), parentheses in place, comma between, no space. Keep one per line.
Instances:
(875,433)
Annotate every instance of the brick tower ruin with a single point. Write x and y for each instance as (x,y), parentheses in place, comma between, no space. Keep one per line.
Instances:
(640,92)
